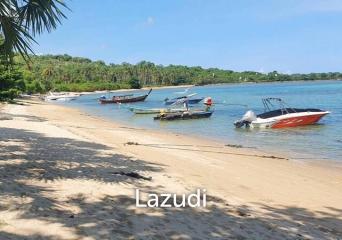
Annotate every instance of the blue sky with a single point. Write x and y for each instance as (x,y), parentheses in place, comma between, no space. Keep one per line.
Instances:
(260,35)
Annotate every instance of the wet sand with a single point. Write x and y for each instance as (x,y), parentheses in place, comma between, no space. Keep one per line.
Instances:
(61,178)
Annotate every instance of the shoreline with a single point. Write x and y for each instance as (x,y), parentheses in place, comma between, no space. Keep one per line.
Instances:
(135,90)
(194,85)
(278,155)
(67,163)
(282,153)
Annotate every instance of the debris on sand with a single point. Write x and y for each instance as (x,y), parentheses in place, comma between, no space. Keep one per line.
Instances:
(133,175)
(234,145)
(5,117)
(131,143)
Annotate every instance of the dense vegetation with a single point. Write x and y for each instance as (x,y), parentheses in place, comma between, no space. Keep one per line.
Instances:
(11,81)
(66,73)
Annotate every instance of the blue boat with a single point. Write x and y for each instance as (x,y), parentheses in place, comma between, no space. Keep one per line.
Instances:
(182,99)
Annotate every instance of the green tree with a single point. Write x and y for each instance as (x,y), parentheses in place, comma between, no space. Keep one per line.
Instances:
(11,80)
(134,83)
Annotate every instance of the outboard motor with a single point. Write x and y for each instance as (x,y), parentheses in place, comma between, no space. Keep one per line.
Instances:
(208,101)
(246,120)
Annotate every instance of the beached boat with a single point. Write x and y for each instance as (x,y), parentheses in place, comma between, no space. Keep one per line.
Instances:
(185,115)
(61,96)
(155,110)
(181,99)
(280,118)
(125,98)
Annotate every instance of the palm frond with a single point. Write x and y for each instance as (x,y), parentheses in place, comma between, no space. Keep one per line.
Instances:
(21,20)
(15,37)
(41,15)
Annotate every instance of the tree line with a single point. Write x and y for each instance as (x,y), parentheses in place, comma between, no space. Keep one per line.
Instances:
(66,73)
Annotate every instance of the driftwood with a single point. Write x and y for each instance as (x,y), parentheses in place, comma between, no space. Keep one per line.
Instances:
(133,175)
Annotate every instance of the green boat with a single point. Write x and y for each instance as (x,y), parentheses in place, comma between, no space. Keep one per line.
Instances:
(155,110)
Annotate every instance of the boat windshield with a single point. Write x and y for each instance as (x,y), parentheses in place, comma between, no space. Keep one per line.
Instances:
(272,104)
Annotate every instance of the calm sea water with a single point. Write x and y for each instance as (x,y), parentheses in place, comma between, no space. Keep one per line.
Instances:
(320,141)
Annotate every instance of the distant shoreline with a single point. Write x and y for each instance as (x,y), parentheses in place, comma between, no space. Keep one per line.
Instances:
(193,85)
(131,90)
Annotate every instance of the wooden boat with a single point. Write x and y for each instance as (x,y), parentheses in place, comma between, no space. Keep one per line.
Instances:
(125,98)
(208,102)
(155,110)
(184,115)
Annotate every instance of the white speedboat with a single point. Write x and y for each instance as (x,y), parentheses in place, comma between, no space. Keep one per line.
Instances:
(61,96)
(280,118)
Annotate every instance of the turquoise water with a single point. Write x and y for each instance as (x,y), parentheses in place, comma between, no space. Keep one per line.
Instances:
(320,141)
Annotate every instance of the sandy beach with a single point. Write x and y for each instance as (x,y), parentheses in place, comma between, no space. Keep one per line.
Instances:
(67,175)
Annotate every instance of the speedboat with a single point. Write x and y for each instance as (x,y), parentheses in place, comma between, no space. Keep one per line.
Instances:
(61,96)
(281,117)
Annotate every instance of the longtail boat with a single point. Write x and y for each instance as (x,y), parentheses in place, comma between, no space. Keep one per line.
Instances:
(155,110)
(125,98)
(184,115)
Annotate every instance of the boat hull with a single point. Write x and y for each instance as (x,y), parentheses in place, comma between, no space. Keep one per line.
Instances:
(298,121)
(60,98)
(190,101)
(183,116)
(155,110)
(128,100)
(125,99)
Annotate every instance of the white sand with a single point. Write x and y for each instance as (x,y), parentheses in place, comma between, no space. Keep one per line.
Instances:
(58,181)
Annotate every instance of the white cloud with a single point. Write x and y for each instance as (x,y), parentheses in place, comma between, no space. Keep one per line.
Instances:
(149,21)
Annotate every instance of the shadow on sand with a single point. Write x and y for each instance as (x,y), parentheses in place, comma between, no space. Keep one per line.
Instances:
(47,159)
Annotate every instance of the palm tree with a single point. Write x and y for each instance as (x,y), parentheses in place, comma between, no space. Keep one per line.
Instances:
(22,20)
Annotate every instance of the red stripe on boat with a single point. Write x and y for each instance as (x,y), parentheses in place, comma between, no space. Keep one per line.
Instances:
(298,121)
